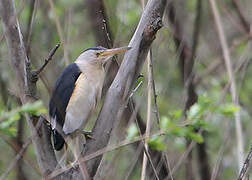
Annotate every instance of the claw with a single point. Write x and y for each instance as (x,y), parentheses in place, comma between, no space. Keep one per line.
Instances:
(88,134)
(74,164)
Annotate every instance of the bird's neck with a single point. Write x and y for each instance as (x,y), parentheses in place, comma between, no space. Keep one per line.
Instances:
(92,70)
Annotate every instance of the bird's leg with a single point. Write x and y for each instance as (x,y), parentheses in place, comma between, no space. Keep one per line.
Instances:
(61,157)
(71,143)
(75,142)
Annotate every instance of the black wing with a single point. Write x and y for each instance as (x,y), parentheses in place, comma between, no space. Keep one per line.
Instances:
(60,97)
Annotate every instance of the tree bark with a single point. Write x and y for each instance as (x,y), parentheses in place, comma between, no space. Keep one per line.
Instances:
(149,24)
(104,37)
(26,85)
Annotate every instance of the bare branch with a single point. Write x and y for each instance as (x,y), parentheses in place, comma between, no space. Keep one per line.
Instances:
(245,165)
(241,16)
(103,151)
(149,119)
(149,24)
(49,58)
(19,154)
(27,88)
(99,22)
(28,35)
(60,32)
(126,76)
(228,64)
(186,62)
(103,36)
(148,112)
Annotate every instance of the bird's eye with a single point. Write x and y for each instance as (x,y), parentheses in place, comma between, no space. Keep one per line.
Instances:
(98,54)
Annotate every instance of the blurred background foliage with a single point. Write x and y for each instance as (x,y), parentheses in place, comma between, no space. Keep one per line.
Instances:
(213,113)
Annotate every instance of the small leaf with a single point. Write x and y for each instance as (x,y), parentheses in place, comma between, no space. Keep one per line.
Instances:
(193,111)
(132,131)
(228,109)
(35,108)
(11,119)
(177,113)
(165,123)
(196,137)
(180,131)
(11,131)
(157,143)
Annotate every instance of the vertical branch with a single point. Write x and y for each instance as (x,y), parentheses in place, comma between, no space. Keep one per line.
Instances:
(19,140)
(186,59)
(228,64)
(148,122)
(26,85)
(128,72)
(103,36)
(28,34)
(245,165)
(59,30)
(241,16)
(99,22)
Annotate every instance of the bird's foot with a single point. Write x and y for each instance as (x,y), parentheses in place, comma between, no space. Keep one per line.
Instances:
(74,164)
(88,134)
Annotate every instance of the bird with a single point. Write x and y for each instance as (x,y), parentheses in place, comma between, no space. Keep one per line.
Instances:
(75,95)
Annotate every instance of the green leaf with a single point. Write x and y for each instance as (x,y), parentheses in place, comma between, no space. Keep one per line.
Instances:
(177,113)
(165,123)
(196,137)
(180,131)
(132,131)
(228,109)
(35,108)
(157,143)
(204,101)
(193,112)
(11,131)
(10,120)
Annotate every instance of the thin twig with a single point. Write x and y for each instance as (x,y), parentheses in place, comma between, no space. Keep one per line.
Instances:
(20,153)
(228,64)
(83,170)
(49,58)
(245,165)
(16,159)
(133,162)
(27,160)
(59,30)
(141,135)
(105,150)
(154,89)
(226,141)
(156,111)
(182,158)
(32,14)
(148,122)
(241,16)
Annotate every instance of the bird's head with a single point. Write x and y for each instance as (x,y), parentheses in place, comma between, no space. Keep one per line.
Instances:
(99,54)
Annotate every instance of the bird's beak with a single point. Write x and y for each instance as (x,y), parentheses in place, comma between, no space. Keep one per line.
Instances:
(114,51)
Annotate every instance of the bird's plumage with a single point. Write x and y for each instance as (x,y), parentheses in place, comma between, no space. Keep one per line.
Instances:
(77,91)
(62,92)
(83,101)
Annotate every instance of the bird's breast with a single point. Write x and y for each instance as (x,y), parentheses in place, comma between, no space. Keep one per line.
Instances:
(84,98)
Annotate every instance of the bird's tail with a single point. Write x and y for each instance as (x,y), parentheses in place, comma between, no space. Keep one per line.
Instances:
(58,140)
